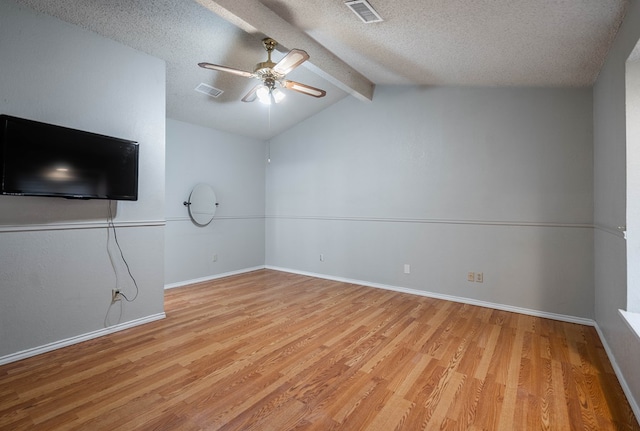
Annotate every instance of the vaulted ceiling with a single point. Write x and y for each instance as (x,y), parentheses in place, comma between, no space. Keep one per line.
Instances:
(533,43)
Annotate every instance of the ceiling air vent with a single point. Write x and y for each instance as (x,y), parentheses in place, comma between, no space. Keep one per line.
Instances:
(208,90)
(364,10)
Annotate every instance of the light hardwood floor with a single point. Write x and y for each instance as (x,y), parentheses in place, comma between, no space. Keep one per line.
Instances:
(275,351)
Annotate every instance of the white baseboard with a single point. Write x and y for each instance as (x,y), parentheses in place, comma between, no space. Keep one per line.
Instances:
(212,277)
(78,339)
(503,307)
(625,387)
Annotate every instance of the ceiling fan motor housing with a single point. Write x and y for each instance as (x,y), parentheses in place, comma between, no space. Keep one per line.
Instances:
(265,69)
(264,65)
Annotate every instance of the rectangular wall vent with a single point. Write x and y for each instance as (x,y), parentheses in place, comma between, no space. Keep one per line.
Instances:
(364,10)
(208,90)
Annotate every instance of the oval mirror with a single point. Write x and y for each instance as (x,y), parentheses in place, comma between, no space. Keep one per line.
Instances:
(202,204)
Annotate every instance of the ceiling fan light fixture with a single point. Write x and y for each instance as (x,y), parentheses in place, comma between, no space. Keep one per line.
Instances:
(268,95)
(364,10)
(277,95)
(263,95)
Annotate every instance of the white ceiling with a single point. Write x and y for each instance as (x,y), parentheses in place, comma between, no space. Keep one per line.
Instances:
(420,42)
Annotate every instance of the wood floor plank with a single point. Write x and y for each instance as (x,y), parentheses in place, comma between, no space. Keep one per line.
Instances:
(487,355)
(391,415)
(270,350)
(490,405)
(464,410)
(451,385)
(512,384)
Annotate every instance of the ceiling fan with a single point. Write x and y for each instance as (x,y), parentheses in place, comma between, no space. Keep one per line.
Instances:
(270,74)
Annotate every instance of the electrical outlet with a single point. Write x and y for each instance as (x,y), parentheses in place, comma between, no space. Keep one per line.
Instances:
(479,277)
(471,277)
(115,295)
(321,257)
(215,257)
(407,268)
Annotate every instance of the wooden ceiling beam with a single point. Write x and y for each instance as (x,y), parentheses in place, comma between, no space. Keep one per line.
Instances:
(255,18)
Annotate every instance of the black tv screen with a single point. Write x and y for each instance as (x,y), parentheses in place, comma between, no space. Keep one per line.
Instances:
(38,159)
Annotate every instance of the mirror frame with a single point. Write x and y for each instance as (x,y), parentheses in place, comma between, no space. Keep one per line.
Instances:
(202,204)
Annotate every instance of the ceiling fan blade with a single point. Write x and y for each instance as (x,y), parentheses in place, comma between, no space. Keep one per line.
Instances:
(238,72)
(251,95)
(303,88)
(293,59)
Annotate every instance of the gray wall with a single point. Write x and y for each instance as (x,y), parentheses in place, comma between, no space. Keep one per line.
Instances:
(633,182)
(235,167)
(610,203)
(448,180)
(55,273)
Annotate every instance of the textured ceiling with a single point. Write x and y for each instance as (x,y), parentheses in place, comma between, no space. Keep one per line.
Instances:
(184,33)
(420,42)
(464,42)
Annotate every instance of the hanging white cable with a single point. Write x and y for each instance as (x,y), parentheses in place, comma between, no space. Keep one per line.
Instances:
(111,226)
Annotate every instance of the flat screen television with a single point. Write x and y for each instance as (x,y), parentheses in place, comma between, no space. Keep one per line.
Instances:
(39,159)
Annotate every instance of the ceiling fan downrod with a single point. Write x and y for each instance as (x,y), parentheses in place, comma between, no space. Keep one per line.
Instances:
(269,45)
